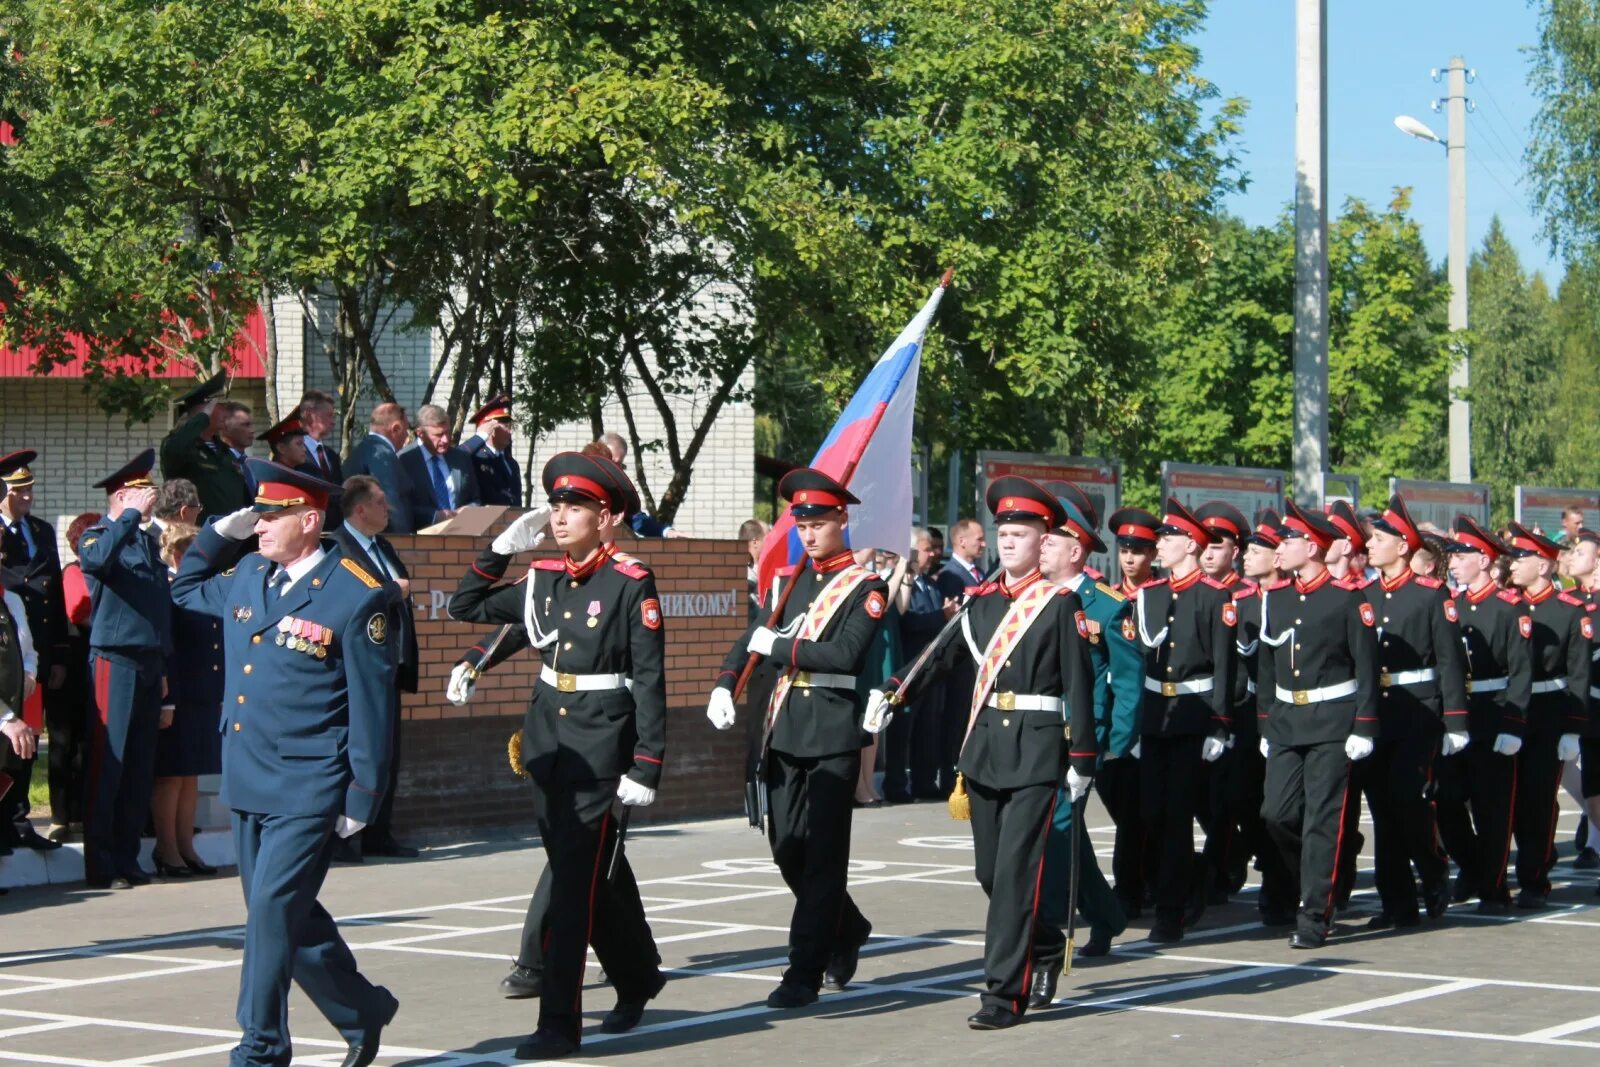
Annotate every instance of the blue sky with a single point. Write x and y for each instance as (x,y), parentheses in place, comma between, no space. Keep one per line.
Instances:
(1380,53)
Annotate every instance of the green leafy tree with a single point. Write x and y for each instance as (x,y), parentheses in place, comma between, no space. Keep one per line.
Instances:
(1574,430)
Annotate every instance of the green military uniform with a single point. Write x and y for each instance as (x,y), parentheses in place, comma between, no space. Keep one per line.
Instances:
(208,464)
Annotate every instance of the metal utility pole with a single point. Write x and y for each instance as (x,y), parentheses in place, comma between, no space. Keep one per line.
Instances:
(1460,376)
(1311,248)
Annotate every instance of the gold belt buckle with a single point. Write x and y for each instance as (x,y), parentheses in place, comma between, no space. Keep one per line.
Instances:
(1302,696)
(1385,678)
(567,683)
(1007,701)
(1469,685)
(1169,689)
(802,679)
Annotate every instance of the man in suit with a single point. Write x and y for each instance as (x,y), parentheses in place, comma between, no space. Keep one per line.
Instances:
(378,454)
(130,638)
(33,571)
(442,479)
(961,572)
(913,741)
(196,448)
(307,736)
(316,412)
(366,513)
(499,477)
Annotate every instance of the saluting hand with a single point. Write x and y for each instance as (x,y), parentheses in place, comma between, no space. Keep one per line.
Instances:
(237,525)
(525,532)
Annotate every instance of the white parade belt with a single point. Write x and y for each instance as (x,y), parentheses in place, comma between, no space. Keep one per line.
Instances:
(1009,701)
(818,680)
(1487,685)
(584,683)
(1416,677)
(1172,689)
(1317,696)
(1550,685)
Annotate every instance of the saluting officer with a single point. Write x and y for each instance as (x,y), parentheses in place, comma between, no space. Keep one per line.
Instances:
(194,451)
(130,638)
(1133,852)
(499,475)
(812,755)
(306,746)
(1561,631)
(1186,624)
(1031,717)
(594,733)
(1317,698)
(1422,697)
(1118,667)
(1475,787)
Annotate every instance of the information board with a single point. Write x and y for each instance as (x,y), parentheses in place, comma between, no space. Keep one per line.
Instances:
(1100,479)
(1246,488)
(1346,487)
(1439,503)
(1541,508)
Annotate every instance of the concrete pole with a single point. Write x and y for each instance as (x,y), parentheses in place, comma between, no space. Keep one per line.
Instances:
(1311,249)
(1456,149)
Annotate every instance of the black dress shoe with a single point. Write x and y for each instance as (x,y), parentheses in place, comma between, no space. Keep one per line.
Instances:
(167,870)
(842,965)
(347,850)
(1097,945)
(1494,907)
(1306,939)
(791,995)
(1587,860)
(199,868)
(993,1017)
(365,1051)
(1527,901)
(1043,992)
(118,882)
(1165,934)
(31,838)
(1388,921)
(136,877)
(1436,898)
(388,846)
(522,983)
(626,1015)
(546,1045)
(897,798)
(1463,891)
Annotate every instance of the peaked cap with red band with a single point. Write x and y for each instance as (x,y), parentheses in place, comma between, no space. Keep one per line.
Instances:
(572,477)
(1524,542)
(134,474)
(287,427)
(1079,526)
(1134,527)
(1397,520)
(1303,522)
(1072,494)
(628,495)
(14,472)
(496,409)
(1470,537)
(1223,520)
(1348,523)
(1180,520)
(811,493)
(279,488)
(1266,532)
(1013,498)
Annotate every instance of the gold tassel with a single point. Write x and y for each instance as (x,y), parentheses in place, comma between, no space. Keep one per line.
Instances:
(960,806)
(514,754)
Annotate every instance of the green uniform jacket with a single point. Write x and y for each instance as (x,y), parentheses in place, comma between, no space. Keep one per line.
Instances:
(185,454)
(1118,667)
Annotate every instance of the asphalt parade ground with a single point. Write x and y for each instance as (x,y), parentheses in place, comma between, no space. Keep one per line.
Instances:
(149,976)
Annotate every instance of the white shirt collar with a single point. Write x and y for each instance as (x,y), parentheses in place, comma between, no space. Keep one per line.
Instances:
(300,569)
(1076,581)
(361,539)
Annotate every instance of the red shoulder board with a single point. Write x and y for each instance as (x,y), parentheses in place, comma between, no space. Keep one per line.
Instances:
(636,571)
(1570,599)
(1212,582)
(1094,575)
(1282,583)
(1509,596)
(1152,583)
(789,572)
(1355,585)
(1426,582)
(549,565)
(1245,592)
(981,590)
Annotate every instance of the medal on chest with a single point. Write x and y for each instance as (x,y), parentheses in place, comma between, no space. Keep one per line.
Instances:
(594,614)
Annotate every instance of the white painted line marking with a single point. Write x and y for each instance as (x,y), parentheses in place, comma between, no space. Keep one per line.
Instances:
(1388,1002)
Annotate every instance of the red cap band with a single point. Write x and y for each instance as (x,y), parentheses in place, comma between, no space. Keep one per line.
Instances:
(1528,544)
(1022,503)
(1217,522)
(1478,543)
(578,483)
(817,498)
(284,495)
(1301,526)
(1350,531)
(1197,533)
(1132,529)
(1408,531)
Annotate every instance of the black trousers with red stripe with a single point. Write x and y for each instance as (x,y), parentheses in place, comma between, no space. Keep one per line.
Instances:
(1170,781)
(1009,830)
(122,759)
(810,804)
(587,908)
(1476,803)
(1534,822)
(1398,781)
(1307,791)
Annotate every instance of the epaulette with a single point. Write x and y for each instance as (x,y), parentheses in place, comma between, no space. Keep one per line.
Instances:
(789,572)
(362,576)
(981,590)
(1570,599)
(635,570)
(1110,591)
(1428,583)
(1094,575)
(1152,583)
(1509,596)
(549,565)
(1245,591)
(1281,583)
(1354,585)
(1212,582)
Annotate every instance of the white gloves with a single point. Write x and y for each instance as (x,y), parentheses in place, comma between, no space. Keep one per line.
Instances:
(761,641)
(878,712)
(347,826)
(525,532)
(1134,751)
(719,709)
(1212,748)
(1077,784)
(463,680)
(237,525)
(1454,743)
(1507,744)
(1567,748)
(1357,747)
(1266,748)
(632,794)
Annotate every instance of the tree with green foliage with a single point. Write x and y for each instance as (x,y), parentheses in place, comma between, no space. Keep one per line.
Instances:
(1574,429)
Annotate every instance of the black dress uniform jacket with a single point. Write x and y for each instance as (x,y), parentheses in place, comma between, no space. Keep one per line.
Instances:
(1247,643)
(817,720)
(1316,634)
(1187,632)
(1009,750)
(499,476)
(600,618)
(1497,647)
(1560,635)
(40,589)
(1417,625)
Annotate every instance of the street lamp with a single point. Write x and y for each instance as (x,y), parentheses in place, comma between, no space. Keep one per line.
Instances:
(1455,146)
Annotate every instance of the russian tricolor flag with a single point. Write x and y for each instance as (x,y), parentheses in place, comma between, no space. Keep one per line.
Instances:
(869,452)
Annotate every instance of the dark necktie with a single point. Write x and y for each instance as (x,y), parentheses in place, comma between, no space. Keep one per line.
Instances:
(279,579)
(441,486)
(322,461)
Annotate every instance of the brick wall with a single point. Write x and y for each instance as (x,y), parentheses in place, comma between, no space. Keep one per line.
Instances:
(454,771)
